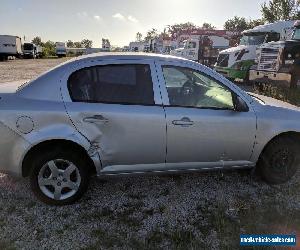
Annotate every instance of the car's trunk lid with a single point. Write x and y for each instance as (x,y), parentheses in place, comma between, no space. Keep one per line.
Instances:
(10,87)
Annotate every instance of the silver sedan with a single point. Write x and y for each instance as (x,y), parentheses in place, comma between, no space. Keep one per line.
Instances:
(131,113)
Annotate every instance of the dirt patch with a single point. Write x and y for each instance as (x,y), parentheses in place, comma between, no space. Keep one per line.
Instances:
(15,70)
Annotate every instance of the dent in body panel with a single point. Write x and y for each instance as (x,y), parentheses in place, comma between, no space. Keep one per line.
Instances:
(128,134)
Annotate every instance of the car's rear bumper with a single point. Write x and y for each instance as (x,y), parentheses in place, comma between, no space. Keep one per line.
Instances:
(278,78)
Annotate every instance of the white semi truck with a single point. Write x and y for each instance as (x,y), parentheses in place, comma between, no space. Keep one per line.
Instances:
(61,50)
(10,46)
(279,62)
(31,50)
(235,62)
(203,47)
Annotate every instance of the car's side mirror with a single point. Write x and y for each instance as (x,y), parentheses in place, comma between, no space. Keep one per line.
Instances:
(240,105)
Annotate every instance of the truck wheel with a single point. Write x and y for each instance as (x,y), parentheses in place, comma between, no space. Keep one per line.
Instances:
(59,177)
(280,160)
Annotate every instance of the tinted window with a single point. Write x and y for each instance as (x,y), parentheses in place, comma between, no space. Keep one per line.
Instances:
(125,84)
(195,89)
(28,46)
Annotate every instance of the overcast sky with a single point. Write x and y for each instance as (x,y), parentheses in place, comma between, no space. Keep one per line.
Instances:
(118,20)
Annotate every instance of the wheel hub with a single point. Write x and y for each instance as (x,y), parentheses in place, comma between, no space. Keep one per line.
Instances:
(59,179)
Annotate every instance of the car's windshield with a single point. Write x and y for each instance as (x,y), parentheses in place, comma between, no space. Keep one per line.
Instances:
(253,39)
(296,34)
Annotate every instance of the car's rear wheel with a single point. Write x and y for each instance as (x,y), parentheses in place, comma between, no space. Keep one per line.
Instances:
(59,178)
(280,160)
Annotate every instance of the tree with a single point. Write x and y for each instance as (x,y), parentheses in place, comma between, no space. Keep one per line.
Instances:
(276,10)
(237,24)
(49,49)
(151,34)
(77,45)
(70,44)
(208,26)
(165,34)
(105,43)
(87,43)
(138,37)
(255,22)
(37,41)
(177,29)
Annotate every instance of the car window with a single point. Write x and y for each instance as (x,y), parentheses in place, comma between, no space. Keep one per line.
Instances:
(124,84)
(174,77)
(192,45)
(198,90)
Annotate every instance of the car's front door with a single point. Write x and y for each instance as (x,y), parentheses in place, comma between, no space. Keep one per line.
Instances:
(117,106)
(203,128)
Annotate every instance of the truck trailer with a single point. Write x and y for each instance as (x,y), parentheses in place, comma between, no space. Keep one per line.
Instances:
(235,62)
(279,62)
(61,50)
(10,46)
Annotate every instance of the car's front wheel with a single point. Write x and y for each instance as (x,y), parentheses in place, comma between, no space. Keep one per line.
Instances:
(280,160)
(59,177)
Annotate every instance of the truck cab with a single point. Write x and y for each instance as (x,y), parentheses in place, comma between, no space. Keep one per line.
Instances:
(204,49)
(31,50)
(279,62)
(235,63)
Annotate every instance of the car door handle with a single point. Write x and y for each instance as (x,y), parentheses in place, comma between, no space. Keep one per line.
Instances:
(184,122)
(95,119)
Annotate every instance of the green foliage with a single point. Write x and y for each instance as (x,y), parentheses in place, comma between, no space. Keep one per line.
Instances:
(139,37)
(70,44)
(37,41)
(49,49)
(176,29)
(151,34)
(86,43)
(236,24)
(239,24)
(255,22)
(208,26)
(77,45)
(276,10)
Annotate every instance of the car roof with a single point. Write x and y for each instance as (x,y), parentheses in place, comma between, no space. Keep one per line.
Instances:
(127,55)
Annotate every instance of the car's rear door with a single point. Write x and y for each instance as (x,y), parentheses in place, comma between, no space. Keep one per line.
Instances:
(203,129)
(116,104)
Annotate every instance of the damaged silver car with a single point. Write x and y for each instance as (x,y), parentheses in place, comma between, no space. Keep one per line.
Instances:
(128,113)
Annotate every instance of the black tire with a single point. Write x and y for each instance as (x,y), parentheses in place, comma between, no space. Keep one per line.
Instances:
(280,160)
(73,157)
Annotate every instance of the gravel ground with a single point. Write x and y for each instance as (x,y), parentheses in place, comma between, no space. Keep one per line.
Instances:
(187,211)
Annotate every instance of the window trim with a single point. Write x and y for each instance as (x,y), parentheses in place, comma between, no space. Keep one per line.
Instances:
(233,94)
(107,102)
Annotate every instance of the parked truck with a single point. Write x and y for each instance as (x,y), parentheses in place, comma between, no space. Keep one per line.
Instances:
(235,62)
(279,62)
(31,50)
(203,48)
(61,50)
(10,46)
